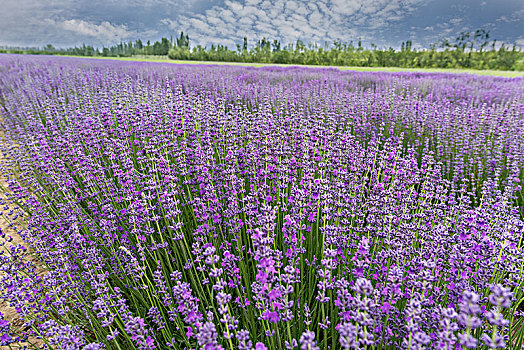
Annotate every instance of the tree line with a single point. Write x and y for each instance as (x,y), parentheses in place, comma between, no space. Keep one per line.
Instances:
(473,50)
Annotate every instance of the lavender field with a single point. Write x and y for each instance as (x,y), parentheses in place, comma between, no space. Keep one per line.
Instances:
(217,207)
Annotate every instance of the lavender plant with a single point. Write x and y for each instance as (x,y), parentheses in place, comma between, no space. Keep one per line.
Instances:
(223,207)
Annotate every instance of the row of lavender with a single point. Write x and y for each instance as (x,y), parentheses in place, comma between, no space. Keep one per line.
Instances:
(221,207)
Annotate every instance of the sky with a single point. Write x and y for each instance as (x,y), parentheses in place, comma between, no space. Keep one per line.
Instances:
(67,23)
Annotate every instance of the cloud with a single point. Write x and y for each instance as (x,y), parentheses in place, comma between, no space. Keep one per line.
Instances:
(289,20)
(517,16)
(66,23)
(103,32)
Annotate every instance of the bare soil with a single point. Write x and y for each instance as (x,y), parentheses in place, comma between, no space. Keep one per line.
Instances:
(10,313)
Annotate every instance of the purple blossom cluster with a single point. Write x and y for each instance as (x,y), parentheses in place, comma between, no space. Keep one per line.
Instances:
(207,207)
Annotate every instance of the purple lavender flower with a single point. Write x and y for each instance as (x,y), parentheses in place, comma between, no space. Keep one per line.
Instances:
(136,329)
(260,346)
(467,340)
(207,336)
(495,341)
(223,207)
(500,296)
(244,342)
(363,286)
(469,308)
(348,336)
(307,341)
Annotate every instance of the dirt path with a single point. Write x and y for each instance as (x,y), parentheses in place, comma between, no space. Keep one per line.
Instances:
(9,313)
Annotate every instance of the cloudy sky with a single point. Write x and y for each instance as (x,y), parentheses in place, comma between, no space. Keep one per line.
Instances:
(383,22)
